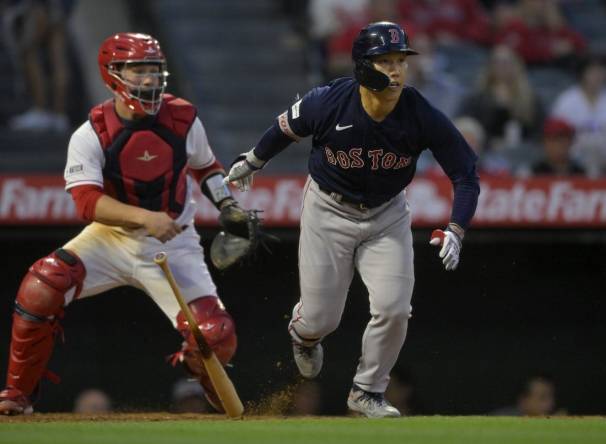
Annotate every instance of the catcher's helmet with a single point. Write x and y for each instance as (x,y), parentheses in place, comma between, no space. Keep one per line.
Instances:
(374,39)
(125,48)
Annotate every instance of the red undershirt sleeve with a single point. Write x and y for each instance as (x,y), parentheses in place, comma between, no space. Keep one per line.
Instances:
(85,198)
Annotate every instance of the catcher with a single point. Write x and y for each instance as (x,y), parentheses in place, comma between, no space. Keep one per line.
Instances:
(131,168)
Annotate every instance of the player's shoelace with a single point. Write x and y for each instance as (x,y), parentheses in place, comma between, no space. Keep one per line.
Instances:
(371,398)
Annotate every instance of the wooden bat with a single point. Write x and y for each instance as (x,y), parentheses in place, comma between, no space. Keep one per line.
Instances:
(223,386)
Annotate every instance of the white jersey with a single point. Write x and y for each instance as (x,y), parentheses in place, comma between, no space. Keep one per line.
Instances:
(85,162)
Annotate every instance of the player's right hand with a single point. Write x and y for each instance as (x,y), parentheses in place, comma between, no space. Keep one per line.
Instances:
(241,175)
(451,247)
(161,226)
(243,169)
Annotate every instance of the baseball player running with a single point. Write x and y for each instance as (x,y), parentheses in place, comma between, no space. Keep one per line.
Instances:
(127,171)
(367,134)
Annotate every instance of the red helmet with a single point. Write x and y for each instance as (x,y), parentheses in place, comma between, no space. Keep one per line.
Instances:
(124,48)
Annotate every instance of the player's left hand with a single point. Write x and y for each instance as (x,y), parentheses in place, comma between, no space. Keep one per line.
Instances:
(451,247)
(243,169)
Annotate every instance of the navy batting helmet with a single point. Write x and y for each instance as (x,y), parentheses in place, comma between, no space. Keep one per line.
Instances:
(375,39)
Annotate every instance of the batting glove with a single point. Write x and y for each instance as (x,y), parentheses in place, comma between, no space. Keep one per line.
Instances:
(451,243)
(243,169)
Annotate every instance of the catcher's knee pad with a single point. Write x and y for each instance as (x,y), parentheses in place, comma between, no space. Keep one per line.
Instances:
(38,306)
(217,327)
(42,291)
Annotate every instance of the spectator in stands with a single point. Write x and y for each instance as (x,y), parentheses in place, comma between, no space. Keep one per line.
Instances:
(558,136)
(426,73)
(92,401)
(329,18)
(448,21)
(339,45)
(188,397)
(584,105)
(539,33)
(36,31)
(503,102)
(536,397)
(490,162)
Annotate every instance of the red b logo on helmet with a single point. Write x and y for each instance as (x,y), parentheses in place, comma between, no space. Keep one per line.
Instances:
(395,35)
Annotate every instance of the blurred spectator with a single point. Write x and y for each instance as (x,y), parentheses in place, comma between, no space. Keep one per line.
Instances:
(402,393)
(36,33)
(426,73)
(584,105)
(339,46)
(536,397)
(448,21)
(188,397)
(307,399)
(558,136)
(92,401)
(329,18)
(503,12)
(490,162)
(503,102)
(539,33)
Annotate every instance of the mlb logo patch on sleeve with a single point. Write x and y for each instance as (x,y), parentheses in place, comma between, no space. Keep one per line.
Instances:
(76,169)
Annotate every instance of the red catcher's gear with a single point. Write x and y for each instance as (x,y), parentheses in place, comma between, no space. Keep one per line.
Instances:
(38,308)
(216,325)
(219,331)
(145,161)
(132,48)
(86,198)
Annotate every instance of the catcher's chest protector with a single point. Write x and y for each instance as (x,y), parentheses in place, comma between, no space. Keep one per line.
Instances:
(145,160)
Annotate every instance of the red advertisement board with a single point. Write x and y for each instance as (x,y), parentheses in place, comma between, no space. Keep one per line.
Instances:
(508,203)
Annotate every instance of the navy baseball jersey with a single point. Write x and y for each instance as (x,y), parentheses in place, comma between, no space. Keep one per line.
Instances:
(370,162)
(354,215)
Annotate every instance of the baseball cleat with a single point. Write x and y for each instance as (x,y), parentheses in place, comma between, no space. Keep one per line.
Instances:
(372,405)
(14,402)
(309,359)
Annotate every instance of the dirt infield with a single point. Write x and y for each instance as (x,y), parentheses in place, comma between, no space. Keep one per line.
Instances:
(125,417)
(274,406)
(194,417)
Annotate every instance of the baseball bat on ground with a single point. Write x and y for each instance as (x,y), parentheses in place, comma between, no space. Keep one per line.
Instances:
(223,386)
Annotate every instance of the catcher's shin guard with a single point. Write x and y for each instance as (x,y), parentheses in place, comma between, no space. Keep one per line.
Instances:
(38,307)
(219,331)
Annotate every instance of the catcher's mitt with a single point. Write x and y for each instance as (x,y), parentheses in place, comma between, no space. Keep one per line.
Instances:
(240,237)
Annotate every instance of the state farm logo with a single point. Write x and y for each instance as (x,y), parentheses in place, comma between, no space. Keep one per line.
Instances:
(20,202)
(507,203)
(558,201)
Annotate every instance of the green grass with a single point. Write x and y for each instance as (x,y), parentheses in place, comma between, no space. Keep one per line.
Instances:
(423,430)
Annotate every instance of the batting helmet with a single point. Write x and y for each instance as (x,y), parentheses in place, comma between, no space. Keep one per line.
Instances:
(132,48)
(375,39)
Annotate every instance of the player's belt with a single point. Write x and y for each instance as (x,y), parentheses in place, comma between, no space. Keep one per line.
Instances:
(338,197)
